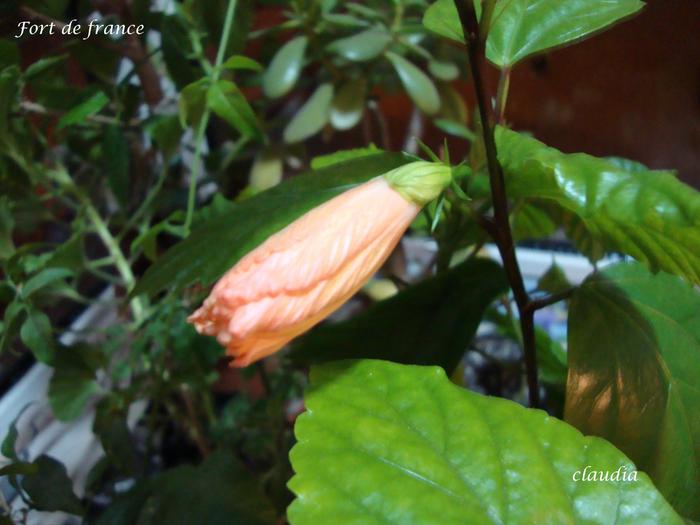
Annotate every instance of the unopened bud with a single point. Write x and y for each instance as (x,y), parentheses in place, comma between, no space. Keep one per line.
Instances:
(420,182)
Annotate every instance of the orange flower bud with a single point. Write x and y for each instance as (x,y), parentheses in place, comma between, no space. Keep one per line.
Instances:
(304,272)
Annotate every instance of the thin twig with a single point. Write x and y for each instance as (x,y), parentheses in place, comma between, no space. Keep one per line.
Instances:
(538,304)
(32,107)
(500,227)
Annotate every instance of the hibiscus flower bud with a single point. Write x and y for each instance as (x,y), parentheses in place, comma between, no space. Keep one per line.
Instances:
(307,270)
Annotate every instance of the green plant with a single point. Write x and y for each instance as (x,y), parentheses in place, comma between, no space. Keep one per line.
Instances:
(119,185)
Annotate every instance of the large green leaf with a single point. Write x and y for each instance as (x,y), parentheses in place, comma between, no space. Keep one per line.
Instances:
(312,116)
(634,367)
(417,84)
(396,444)
(649,215)
(429,323)
(217,244)
(520,28)
(285,68)
(217,492)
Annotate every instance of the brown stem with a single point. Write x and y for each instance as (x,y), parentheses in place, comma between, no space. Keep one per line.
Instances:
(500,226)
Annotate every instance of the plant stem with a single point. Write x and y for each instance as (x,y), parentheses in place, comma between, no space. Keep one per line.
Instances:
(538,304)
(502,94)
(120,262)
(499,226)
(202,127)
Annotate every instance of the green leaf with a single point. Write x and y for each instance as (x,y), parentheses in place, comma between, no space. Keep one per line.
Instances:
(19,469)
(13,320)
(192,101)
(73,382)
(177,51)
(363,46)
(520,28)
(553,280)
(348,104)
(344,20)
(8,447)
(431,322)
(36,334)
(41,65)
(442,18)
(218,492)
(634,364)
(115,159)
(324,161)
(416,83)
(446,71)
(166,131)
(80,112)
(267,170)
(50,489)
(285,68)
(397,444)
(649,215)
(226,100)
(311,117)
(43,279)
(457,129)
(250,222)
(242,62)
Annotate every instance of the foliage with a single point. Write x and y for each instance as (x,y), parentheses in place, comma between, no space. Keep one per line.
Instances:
(135,174)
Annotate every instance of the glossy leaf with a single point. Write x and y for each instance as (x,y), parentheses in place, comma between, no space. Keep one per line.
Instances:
(217,244)
(285,67)
(634,364)
(649,215)
(226,100)
(395,444)
(417,84)
(311,117)
(520,28)
(218,491)
(348,104)
(363,46)
(80,112)
(431,322)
